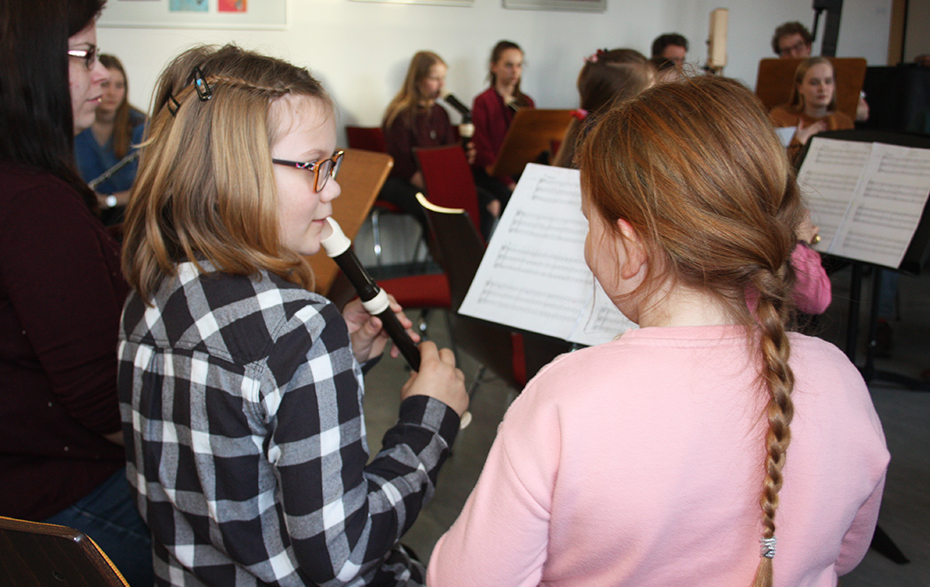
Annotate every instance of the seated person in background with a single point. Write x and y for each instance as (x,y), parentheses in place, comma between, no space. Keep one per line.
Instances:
(61,292)
(792,40)
(117,129)
(660,458)
(606,77)
(241,389)
(812,107)
(492,112)
(414,119)
(671,47)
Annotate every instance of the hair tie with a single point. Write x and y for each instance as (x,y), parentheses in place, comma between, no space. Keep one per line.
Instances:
(591,58)
(580,114)
(768,547)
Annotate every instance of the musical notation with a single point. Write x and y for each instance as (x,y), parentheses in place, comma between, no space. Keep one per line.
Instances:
(533,275)
(866,197)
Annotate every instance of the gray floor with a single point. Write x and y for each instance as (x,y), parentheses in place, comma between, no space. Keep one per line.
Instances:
(905,514)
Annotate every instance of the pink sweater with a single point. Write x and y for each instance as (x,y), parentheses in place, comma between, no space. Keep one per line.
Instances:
(639,462)
(812,290)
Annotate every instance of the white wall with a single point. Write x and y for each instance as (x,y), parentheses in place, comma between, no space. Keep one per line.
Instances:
(360,50)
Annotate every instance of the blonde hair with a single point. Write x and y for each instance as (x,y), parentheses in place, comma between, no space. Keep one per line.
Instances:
(796,102)
(409,98)
(697,171)
(205,190)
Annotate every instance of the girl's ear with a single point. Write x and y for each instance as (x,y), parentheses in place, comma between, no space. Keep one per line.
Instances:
(634,257)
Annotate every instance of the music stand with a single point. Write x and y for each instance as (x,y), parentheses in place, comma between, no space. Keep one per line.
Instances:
(910,264)
(776,78)
(531,133)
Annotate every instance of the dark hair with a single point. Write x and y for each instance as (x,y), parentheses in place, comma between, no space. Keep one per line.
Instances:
(606,77)
(663,41)
(36,119)
(788,29)
(610,75)
(496,54)
(127,116)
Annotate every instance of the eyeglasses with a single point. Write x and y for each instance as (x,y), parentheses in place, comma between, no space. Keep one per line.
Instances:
(792,49)
(322,170)
(88,55)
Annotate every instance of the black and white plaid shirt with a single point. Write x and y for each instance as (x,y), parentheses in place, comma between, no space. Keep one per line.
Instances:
(242,410)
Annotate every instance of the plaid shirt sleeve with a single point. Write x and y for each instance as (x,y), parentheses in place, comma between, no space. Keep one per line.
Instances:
(246,441)
(342,515)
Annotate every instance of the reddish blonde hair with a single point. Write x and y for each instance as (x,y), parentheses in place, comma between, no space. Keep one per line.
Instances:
(696,169)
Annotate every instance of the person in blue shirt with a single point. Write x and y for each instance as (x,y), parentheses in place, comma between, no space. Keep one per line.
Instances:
(117,128)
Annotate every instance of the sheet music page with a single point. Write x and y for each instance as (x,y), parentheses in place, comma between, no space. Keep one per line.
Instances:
(785,134)
(887,206)
(828,179)
(533,275)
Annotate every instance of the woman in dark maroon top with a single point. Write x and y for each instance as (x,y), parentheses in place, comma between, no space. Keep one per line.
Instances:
(61,291)
(414,119)
(494,109)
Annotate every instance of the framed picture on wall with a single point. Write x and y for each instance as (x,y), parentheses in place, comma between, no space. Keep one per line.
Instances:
(200,14)
(569,5)
(435,2)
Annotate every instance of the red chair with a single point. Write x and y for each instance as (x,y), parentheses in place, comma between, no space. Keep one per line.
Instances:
(448,179)
(369,138)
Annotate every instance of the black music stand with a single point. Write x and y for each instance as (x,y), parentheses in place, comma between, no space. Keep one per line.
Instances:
(911,265)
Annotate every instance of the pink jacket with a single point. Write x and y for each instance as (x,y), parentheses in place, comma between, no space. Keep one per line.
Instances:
(639,462)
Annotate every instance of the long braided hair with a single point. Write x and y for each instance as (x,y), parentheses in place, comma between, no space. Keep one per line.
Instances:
(205,188)
(696,169)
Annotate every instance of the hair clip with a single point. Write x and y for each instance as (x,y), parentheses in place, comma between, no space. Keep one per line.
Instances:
(768,547)
(592,58)
(172,101)
(200,84)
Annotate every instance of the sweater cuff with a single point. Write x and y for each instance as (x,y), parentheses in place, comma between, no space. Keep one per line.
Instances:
(432,414)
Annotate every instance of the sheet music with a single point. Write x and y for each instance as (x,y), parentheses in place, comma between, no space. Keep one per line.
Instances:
(533,275)
(785,134)
(867,198)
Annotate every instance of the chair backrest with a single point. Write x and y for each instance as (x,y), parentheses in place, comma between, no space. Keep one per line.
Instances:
(361,176)
(369,138)
(448,179)
(775,79)
(45,555)
(514,357)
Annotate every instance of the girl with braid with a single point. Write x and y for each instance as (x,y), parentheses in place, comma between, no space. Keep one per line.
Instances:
(691,450)
(240,389)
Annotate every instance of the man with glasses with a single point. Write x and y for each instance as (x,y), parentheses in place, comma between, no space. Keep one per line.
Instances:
(792,40)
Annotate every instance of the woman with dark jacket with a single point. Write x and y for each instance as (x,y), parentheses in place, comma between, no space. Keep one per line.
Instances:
(61,291)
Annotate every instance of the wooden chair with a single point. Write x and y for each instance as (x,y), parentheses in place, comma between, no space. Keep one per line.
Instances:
(371,138)
(45,555)
(361,176)
(775,80)
(513,356)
